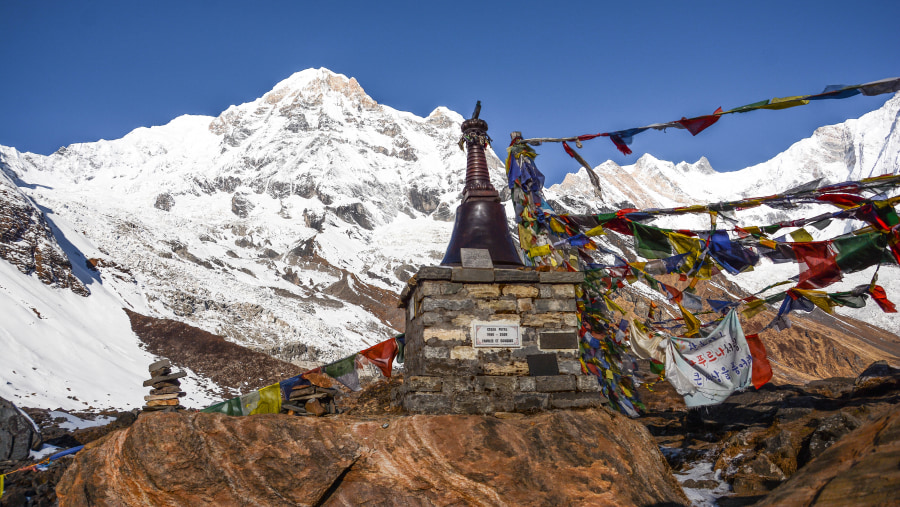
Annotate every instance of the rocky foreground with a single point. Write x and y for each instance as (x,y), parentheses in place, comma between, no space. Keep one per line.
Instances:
(830,442)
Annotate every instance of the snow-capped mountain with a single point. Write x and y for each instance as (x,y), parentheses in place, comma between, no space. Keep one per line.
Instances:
(856,149)
(296,218)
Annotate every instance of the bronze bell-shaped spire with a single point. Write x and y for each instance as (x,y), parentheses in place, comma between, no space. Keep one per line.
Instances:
(480,219)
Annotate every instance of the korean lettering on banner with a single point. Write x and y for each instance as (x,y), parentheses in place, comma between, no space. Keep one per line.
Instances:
(711,368)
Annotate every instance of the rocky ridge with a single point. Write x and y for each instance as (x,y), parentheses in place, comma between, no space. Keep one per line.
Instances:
(28,242)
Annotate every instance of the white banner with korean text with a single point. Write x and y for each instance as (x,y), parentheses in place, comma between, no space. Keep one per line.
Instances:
(707,370)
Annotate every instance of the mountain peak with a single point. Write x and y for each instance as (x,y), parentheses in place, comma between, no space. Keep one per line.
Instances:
(317,82)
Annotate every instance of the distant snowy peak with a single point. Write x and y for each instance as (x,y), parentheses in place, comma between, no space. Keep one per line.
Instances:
(852,150)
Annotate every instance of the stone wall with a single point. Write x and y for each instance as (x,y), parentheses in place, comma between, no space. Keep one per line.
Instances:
(447,373)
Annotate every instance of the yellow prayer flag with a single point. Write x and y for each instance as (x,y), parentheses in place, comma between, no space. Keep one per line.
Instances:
(819,298)
(596,231)
(556,226)
(802,236)
(269,400)
(609,374)
(613,305)
(753,308)
(639,265)
(692,323)
(693,247)
(785,102)
(526,238)
(539,251)
(768,243)
(625,391)
(753,230)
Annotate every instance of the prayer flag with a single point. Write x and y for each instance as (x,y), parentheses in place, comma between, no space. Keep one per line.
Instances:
(646,346)
(749,107)
(800,235)
(691,322)
(265,401)
(836,92)
(691,301)
(694,248)
(382,355)
(889,85)
(732,256)
(818,267)
(651,242)
(785,102)
(880,297)
(762,370)
(855,253)
(227,407)
(344,371)
(700,123)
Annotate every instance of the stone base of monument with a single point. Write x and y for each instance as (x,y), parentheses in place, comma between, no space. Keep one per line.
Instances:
(481,341)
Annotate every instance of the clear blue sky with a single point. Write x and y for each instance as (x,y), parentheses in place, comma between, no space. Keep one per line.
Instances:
(83,71)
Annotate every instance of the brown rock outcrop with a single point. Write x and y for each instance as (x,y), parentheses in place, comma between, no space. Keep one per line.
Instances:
(862,468)
(591,457)
(27,241)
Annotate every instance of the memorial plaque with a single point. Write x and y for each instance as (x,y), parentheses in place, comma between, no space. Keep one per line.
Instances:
(496,334)
(542,365)
(559,340)
(476,258)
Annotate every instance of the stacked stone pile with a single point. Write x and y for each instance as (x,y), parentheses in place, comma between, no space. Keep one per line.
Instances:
(312,401)
(165,387)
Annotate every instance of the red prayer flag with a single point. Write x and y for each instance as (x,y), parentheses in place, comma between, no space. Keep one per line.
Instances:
(818,266)
(620,144)
(382,355)
(762,370)
(880,297)
(700,123)
(842,200)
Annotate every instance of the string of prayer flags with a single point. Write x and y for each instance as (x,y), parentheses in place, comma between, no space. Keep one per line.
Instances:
(623,138)
(552,241)
(268,400)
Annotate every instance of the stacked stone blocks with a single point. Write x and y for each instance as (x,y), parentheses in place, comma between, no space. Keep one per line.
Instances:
(446,373)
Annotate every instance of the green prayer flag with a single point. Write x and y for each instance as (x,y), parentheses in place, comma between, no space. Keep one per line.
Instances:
(651,242)
(855,253)
(849,299)
(344,371)
(227,407)
(749,107)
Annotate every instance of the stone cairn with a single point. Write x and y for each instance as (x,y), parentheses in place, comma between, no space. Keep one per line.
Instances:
(165,388)
(312,401)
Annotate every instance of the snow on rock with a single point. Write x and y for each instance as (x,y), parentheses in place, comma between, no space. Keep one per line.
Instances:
(295,219)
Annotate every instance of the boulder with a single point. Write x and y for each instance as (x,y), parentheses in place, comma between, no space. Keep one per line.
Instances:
(862,468)
(18,435)
(590,457)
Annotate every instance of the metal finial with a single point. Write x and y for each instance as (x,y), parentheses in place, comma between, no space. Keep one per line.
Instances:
(477,110)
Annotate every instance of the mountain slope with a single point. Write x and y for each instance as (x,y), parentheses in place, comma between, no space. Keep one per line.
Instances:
(288,224)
